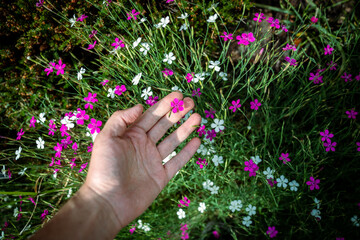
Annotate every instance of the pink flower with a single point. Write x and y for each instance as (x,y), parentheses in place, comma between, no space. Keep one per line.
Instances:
(314,19)
(313,183)
(167,72)
(40,3)
(120,90)
(227,36)
(183,227)
(93,32)
(91,46)
(152,100)
(289,47)
(284,157)
(66,141)
(81,18)
(32,200)
(328,50)
(196,93)
(189,77)
(357,77)
(274,22)
(63,130)
(83,167)
(184,203)
(104,82)
(133,14)
(201,130)
(326,136)
(50,69)
(330,146)
(44,214)
(169,1)
(271,182)
(81,116)
(118,43)
(211,134)
(19,134)
(251,167)
(352,114)
(60,67)
(346,77)
(235,105)
(272,232)
(291,61)
(332,65)
(52,127)
(9,173)
(201,163)
(75,147)
(255,104)
(242,41)
(184,235)
(215,233)
(210,113)
(283,27)
(94,126)
(248,36)
(259,17)
(58,149)
(177,105)
(90,98)
(316,77)
(32,121)
(358,144)
(72,163)
(90,147)
(132,230)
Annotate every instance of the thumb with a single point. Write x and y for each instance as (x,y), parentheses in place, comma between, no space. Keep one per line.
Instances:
(121,119)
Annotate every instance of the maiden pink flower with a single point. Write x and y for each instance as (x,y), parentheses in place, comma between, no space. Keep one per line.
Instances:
(328,50)
(93,33)
(330,146)
(259,17)
(44,214)
(332,65)
(93,126)
(242,41)
(255,104)
(177,105)
(358,144)
(60,67)
(83,166)
(284,157)
(326,136)
(152,100)
(132,14)
(40,3)
(316,78)
(104,82)
(50,69)
(271,182)
(251,167)
(81,116)
(66,141)
(211,134)
(201,130)
(132,230)
(90,147)
(58,149)
(248,36)
(189,77)
(196,92)
(90,98)
(80,19)
(215,233)
(91,46)
(184,203)
(52,128)
(32,121)
(210,113)
(314,19)
(75,147)
(201,163)
(120,90)
(63,130)
(167,72)
(118,43)
(274,22)
(227,36)
(289,47)
(313,183)
(283,27)
(291,61)
(346,77)
(19,134)
(235,106)
(357,77)
(272,232)
(351,114)
(32,200)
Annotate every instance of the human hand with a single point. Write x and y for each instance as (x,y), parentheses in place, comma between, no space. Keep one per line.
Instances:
(126,169)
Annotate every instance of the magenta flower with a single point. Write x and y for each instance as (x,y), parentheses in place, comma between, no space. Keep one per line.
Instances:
(177,105)
(167,72)
(251,167)
(352,114)
(32,200)
(326,136)
(90,147)
(272,232)
(93,126)
(40,3)
(72,163)
(108,1)
(44,214)
(32,121)
(313,183)
(242,41)
(210,113)
(227,36)
(248,36)
(58,149)
(184,203)
(328,50)
(60,67)
(83,166)
(90,98)
(133,14)
(284,157)
(330,146)
(289,47)
(196,92)
(152,100)
(259,17)
(66,141)
(52,127)
(75,147)
(358,144)
(189,77)
(271,182)
(201,163)
(81,116)
(357,77)
(283,27)
(183,227)
(120,90)
(63,130)
(50,69)
(201,130)
(93,33)
(91,46)
(81,18)
(314,19)
(255,104)
(9,173)
(215,233)
(211,134)
(132,230)
(235,105)
(19,134)
(332,65)
(169,1)
(118,43)
(274,22)
(346,77)
(316,78)
(291,61)
(104,82)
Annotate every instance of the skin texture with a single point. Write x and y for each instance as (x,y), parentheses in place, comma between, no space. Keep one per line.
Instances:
(126,172)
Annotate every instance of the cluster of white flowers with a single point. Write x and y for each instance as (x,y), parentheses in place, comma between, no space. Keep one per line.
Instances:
(235,205)
(176,88)
(42,118)
(136,79)
(203,150)
(22,172)
(209,185)
(355,220)
(143,226)
(316,212)
(79,75)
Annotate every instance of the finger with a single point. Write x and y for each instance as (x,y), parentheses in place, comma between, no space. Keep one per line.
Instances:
(177,162)
(162,126)
(157,111)
(169,144)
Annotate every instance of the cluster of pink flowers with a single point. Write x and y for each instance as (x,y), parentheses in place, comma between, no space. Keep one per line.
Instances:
(244,38)
(202,163)
(273,22)
(313,183)
(326,135)
(289,47)
(347,77)
(292,61)
(184,234)
(253,105)
(251,167)
(60,68)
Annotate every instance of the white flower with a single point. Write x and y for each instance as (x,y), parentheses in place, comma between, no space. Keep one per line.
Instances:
(40,143)
(208,184)
(248,127)
(183,16)
(269,173)
(183,27)
(201,207)
(146,227)
(69,193)
(235,205)
(42,118)
(16,212)
(246,221)
(136,79)
(223,76)
(146,93)
(218,125)
(163,22)
(82,71)
(198,76)
(3,171)
(142,20)
(22,172)
(282,181)
(28,57)
(171,155)
(256,159)
(355,220)
(2,235)
(72,20)
(215,65)
(93,136)
(145,48)
(111,92)
(251,210)
(212,18)
(214,189)
(316,213)
(17,153)
(181,214)
(69,124)
(217,160)
(202,150)
(169,58)
(136,43)
(212,6)
(293,185)
(54,174)
(317,202)
(203,121)
(176,88)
